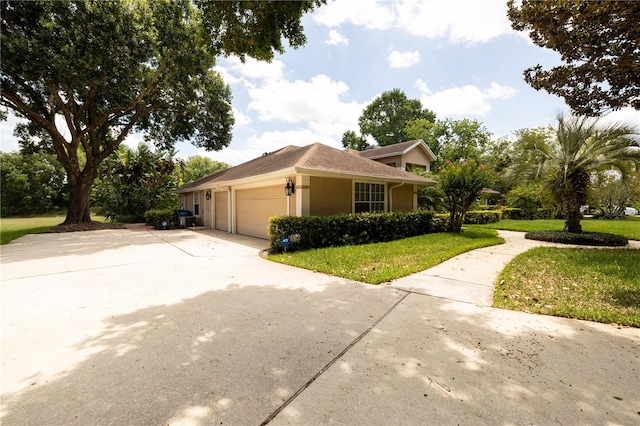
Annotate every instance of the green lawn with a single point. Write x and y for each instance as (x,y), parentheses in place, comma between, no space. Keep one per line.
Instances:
(592,284)
(382,262)
(15,227)
(629,227)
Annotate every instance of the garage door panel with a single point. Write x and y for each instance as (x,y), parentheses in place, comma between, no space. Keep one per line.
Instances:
(255,206)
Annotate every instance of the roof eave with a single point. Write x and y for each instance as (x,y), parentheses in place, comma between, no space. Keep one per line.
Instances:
(373,176)
(241,181)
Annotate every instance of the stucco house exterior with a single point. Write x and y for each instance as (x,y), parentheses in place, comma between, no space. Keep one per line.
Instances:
(411,155)
(321,180)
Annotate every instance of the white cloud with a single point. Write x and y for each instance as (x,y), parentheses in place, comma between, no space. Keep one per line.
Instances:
(366,13)
(462,21)
(336,38)
(257,145)
(241,119)
(403,59)
(252,69)
(316,102)
(629,116)
(8,142)
(463,101)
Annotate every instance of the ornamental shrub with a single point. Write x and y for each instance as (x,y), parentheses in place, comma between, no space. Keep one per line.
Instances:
(462,183)
(156,217)
(583,238)
(309,232)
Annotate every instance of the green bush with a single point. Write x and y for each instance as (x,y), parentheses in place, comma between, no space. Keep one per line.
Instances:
(481,217)
(521,214)
(156,217)
(351,229)
(583,238)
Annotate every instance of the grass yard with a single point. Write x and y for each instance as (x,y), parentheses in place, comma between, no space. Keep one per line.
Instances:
(629,227)
(15,227)
(382,262)
(600,285)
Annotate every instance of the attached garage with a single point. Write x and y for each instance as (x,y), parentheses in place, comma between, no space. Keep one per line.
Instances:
(320,180)
(255,206)
(221,202)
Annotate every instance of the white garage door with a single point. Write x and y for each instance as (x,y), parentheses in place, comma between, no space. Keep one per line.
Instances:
(255,206)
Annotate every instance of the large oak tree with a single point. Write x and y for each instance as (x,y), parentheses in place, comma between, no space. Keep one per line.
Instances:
(599,43)
(86,74)
(385,118)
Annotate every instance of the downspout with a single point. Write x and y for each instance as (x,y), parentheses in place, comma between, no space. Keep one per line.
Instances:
(391,188)
(229,212)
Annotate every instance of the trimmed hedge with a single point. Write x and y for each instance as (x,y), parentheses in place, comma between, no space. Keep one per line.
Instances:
(583,238)
(156,217)
(481,217)
(309,232)
(520,214)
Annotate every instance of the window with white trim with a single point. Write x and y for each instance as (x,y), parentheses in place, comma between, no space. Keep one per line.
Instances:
(368,197)
(196,203)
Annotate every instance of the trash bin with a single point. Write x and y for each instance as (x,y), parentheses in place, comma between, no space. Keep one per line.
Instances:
(182,216)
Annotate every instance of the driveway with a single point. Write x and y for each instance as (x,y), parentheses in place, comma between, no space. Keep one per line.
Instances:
(190,328)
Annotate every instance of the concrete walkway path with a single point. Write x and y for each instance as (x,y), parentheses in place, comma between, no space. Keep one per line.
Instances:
(470,277)
(194,328)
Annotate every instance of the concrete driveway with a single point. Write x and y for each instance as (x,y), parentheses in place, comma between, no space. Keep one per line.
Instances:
(194,328)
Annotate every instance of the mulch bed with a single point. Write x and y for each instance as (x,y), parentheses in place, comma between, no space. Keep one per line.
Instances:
(87,226)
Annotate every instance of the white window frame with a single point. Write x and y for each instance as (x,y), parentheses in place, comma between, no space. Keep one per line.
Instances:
(196,203)
(374,199)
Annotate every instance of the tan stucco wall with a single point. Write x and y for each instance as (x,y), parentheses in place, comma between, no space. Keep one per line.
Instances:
(330,196)
(402,198)
(418,157)
(221,211)
(255,206)
(395,159)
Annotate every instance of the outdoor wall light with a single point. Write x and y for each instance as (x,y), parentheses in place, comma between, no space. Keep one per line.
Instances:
(207,195)
(290,188)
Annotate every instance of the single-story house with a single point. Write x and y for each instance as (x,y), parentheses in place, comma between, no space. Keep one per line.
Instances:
(312,180)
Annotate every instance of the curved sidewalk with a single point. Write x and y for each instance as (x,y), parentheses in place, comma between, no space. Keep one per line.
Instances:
(470,277)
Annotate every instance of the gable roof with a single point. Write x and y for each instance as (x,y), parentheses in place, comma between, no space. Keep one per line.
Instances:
(397,149)
(312,159)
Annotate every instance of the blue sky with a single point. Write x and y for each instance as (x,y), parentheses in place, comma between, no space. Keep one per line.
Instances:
(460,58)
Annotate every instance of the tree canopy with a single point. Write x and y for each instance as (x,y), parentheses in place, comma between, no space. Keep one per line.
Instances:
(198,166)
(451,140)
(385,118)
(598,42)
(110,68)
(31,183)
(132,181)
(255,28)
(351,140)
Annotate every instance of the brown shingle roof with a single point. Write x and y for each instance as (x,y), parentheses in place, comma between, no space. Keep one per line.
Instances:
(395,149)
(308,159)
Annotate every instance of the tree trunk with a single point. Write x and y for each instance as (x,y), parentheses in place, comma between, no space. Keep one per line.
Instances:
(79,210)
(455,221)
(571,210)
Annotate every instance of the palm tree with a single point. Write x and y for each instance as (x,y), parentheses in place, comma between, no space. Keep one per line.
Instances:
(578,147)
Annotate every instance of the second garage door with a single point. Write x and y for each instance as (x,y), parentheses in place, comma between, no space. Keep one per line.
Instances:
(255,206)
